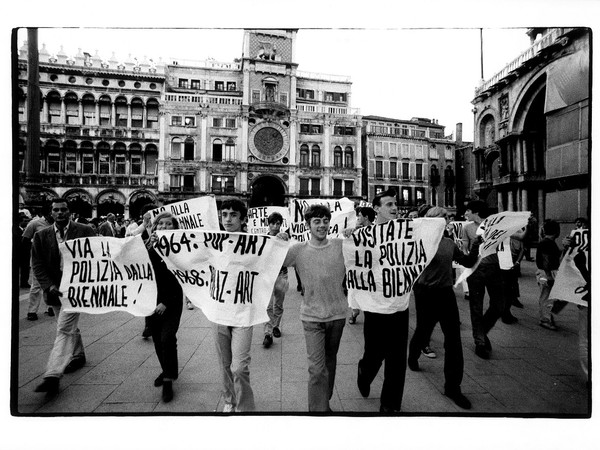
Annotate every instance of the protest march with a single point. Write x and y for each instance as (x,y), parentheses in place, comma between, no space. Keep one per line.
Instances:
(232,276)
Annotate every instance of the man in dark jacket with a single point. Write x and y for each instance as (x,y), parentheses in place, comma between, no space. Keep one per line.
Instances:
(67,354)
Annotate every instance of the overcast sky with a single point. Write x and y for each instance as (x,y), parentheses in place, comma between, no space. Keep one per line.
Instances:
(398,73)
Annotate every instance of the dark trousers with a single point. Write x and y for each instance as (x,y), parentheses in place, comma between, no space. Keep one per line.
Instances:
(386,336)
(435,305)
(487,276)
(164,335)
(511,289)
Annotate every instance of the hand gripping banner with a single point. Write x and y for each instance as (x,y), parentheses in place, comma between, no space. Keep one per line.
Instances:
(104,274)
(230,276)
(383,262)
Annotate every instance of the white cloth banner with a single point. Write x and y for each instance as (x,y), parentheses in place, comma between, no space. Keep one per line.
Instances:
(200,212)
(230,276)
(383,261)
(257,218)
(456,230)
(343,216)
(494,230)
(573,277)
(104,274)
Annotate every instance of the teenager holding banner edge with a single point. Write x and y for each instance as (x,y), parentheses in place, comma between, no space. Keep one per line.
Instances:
(68,354)
(320,263)
(386,335)
(365,216)
(435,302)
(164,322)
(234,343)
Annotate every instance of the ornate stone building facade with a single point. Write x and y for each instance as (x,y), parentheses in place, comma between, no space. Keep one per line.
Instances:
(258,128)
(532,123)
(413,157)
(99,132)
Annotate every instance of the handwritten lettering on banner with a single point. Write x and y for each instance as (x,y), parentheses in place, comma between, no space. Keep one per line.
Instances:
(200,212)
(103,274)
(343,216)
(573,277)
(257,218)
(383,261)
(498,227)
(230,276)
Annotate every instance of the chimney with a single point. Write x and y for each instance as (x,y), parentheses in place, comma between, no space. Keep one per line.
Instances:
(459,133)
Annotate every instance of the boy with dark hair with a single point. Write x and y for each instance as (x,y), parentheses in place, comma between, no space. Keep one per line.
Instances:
(275,308)
(320,262)
(365,216)
(547,260)
(234,343)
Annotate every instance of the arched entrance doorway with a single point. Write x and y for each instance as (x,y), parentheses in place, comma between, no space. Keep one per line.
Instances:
(80,203)
(137,202)
(111,202)
(267,191)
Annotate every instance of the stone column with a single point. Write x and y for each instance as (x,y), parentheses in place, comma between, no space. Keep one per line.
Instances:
(63,111)
(97,113)
(128,115)
(144,117)
(524,200)
(44,111)
(541,205)
(113,115)
(500,203)
(80,112)
(519,166)
(510,206)
(525,163)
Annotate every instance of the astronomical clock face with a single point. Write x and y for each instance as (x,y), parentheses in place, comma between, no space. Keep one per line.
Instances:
(269,141)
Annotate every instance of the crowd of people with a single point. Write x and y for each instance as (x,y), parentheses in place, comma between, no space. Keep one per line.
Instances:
(319,265)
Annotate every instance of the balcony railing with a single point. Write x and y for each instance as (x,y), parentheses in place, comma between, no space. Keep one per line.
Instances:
(326,109)
(528,54)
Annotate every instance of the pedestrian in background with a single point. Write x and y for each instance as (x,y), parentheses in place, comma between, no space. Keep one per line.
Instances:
(164,321)
(275,308)
(435,302)
(547,262)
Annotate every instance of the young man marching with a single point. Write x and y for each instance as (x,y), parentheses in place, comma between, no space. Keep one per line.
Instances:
(320,263)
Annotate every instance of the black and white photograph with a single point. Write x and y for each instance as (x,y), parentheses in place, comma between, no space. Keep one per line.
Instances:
(304,233)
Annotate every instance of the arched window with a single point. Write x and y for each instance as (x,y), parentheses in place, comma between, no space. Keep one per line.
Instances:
(72,108)
(105,110)
(54,107)
(89,109)
(217,150)
(304,155)
(449,176)
(188,149)
(151,156)
(137,113)
(121,111)
(230,150)
(434,179)
(349,157)
(433,196)
(337,156)
(315,153)
(103,158)
(152,108)
(449,196)
(176,148)
(52,157)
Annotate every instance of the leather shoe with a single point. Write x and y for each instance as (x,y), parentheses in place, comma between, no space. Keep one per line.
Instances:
(75,364)
(146,333)
(458,398)
(32,316)
(159,380)
(386,410)
(49,386)
(413,365)
(267,341)
(509,319)
(276,332)
(482,352)
(363,386)
(167,391)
